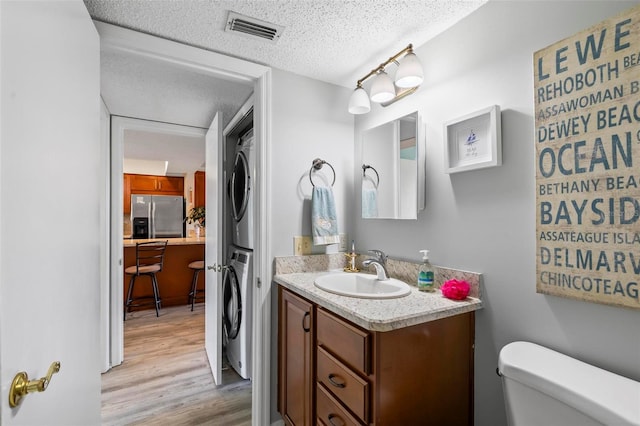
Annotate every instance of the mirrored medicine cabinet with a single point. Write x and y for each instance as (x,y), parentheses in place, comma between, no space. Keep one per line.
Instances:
(393,169)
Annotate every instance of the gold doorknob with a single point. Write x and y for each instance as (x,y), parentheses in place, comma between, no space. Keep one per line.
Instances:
(21,384)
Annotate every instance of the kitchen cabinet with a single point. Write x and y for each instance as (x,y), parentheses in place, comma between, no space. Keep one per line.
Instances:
(146,184)
(150,185)
(419,374)
(126,191)
(296,359)
(199,184)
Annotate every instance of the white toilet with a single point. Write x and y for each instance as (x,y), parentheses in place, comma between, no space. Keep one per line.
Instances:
(546,388)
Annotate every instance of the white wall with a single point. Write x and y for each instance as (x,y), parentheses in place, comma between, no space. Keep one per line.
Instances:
(310,120)
(484,220)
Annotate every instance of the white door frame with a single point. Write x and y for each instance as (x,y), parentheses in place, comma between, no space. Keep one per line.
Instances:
(115,302)
(105,238)
(233,69)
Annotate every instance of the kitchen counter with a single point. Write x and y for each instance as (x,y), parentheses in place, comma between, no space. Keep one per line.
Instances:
(131,242)
(379,314)
(174,281)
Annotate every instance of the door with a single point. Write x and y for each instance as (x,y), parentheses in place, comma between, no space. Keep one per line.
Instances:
(213,247)
(50,162)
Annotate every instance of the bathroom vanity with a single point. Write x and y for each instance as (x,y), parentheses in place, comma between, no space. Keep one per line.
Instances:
(351,361)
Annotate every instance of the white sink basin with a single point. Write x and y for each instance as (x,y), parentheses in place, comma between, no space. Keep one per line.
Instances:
(362,285)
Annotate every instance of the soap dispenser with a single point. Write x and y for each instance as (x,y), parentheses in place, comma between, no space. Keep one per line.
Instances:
(351,259)
(425,273)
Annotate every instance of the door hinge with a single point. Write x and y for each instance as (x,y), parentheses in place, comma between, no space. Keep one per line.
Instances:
(258,282)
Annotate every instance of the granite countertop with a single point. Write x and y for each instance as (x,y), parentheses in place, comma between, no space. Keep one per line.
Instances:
(131,242)
(379,314)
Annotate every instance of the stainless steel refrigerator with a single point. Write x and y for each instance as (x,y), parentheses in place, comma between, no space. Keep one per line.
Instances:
(157,216)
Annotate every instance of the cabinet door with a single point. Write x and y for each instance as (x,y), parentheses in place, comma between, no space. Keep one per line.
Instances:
(143,183)
(126,189)
(170,185)
(295,362)
(199,188)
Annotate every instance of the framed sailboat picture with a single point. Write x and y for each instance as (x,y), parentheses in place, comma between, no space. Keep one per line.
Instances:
(473,141)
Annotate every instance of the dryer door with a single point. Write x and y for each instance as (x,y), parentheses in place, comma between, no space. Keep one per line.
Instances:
(232,303)
(240,187)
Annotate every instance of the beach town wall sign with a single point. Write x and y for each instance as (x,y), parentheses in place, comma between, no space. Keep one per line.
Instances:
(587,137)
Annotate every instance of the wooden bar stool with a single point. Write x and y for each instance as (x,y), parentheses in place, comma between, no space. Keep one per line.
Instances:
(149,261)
(197,266)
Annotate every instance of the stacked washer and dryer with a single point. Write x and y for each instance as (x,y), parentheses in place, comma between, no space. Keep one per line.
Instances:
(238,276)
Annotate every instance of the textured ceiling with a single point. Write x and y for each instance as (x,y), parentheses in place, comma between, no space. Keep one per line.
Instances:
(184,153)
(139,87)
(329,40)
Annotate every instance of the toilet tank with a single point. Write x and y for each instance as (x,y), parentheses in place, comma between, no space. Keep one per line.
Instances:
(543,387)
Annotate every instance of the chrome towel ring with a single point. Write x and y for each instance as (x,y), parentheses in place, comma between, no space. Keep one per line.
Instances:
(317,165)
(364,173)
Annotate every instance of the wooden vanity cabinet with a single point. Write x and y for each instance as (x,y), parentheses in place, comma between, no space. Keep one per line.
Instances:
(421,374)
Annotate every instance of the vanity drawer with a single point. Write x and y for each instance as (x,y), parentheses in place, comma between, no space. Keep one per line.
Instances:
(330,412)
(346,385)
(349,343)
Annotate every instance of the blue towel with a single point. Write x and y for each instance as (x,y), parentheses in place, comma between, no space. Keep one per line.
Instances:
(324,223)
(369,202)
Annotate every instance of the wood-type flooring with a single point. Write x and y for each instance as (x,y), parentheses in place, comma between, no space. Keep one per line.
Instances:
(165,378)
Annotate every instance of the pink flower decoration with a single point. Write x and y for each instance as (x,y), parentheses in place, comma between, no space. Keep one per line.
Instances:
(454,289)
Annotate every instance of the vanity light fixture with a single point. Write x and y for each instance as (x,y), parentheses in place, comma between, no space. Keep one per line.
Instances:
(385,91)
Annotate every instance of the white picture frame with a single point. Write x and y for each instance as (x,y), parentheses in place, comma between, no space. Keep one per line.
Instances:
(474,141)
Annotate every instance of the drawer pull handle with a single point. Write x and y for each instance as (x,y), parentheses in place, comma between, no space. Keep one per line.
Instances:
(335,416)
(334,383)
(305,328)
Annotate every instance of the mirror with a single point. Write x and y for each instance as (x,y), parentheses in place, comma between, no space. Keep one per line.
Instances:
(393,170)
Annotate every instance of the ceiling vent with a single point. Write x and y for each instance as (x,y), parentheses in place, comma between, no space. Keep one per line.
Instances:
(252,27)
